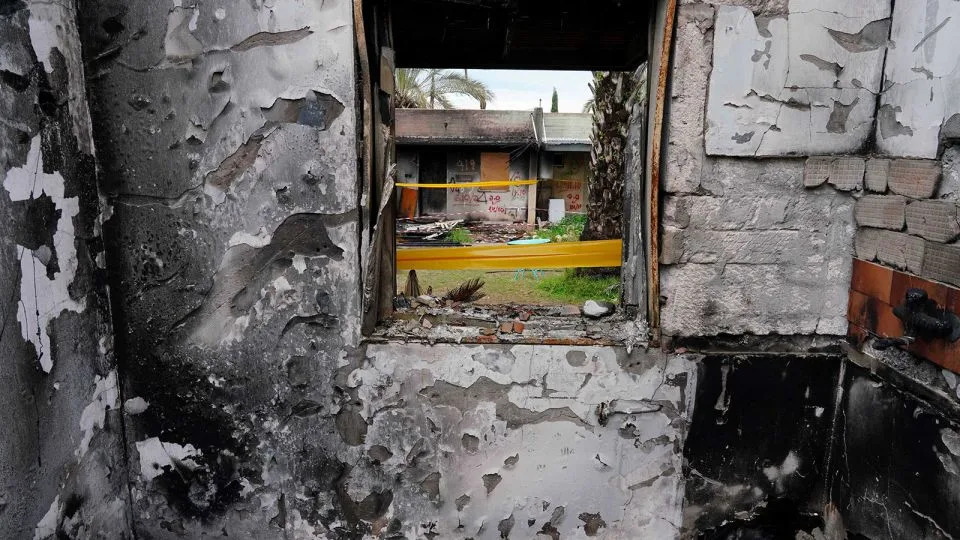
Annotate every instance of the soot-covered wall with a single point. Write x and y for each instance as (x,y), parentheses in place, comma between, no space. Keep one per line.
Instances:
(62,469)
(227,136)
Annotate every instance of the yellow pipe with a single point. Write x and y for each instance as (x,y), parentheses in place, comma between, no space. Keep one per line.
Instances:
(597,253)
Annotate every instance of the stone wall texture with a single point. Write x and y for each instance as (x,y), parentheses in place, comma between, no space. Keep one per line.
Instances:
(746,248)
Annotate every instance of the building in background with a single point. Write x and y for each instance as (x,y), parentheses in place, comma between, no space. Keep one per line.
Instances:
(457,146)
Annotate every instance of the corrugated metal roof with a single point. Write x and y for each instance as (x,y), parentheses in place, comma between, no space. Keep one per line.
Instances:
(567,128)
(464,126)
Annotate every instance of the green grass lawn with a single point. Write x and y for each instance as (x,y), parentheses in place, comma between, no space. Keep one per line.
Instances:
(555,286)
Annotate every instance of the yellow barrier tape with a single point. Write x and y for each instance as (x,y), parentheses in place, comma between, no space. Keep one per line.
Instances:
(485,183)
(597,253)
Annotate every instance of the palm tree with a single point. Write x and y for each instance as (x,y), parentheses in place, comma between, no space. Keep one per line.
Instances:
(431,88)
(611,115)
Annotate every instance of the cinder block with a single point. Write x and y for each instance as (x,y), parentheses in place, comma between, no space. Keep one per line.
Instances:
(933,220)
(876,173)
(915,178)
(881,211)
(846,174)
(941,262)
(866,243)
(816,171)
(671,245)
(901,251)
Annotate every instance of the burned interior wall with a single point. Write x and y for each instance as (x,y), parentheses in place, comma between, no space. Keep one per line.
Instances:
(521,441)
(62,471)
(759,440)
(227,135)
(744,248)
(897,452)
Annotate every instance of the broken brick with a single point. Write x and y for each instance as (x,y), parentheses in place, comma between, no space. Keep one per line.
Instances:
(941,262)
(914,178)
(876,173)
(518,327)
(506,327)
(933,220)
(846,174)
(816,171)
(881,211)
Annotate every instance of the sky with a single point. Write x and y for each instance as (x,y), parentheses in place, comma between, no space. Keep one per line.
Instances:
(523,90)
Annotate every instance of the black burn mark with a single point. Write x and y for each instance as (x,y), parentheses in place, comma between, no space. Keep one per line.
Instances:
(781,392)
(33,225)
(18,82)
(270,39)
(317,110)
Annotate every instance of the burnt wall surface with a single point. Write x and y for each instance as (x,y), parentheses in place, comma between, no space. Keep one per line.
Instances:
(62,470)
(227,137)
(759,439)
(897,457)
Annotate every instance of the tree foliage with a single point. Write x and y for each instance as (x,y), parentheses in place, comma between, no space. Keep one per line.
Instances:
(555,102)
(418,88)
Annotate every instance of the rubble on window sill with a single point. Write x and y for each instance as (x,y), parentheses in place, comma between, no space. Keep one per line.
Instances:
(445,322)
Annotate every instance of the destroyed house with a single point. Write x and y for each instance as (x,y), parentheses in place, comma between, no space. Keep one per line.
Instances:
(445,146)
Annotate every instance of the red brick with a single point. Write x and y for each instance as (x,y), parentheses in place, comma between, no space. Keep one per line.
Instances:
(873,315)
(902,282)
(518,327)
(872,280)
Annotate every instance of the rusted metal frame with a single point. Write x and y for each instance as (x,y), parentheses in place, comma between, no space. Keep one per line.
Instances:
(386,164)
(367,253)
(653,289)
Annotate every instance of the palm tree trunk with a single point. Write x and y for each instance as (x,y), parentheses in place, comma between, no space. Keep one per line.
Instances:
(611,117)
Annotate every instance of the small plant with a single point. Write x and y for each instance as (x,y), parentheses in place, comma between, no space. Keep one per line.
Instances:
(571,287)
(567,229)
(460,235)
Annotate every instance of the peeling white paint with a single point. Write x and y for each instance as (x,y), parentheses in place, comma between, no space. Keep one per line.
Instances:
(41,299)
(134,406)
(260,239)
(157,457)
(557,452)
(106,395)
(48,524)
(765,99)
(921,78)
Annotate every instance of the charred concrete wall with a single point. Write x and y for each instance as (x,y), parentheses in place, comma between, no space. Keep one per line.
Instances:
(779,79)
(227,134)
(746,249)
(523,441)
(62,470)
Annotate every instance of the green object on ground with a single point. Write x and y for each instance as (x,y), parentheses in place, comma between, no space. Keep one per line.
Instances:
(567,229)
(569,287)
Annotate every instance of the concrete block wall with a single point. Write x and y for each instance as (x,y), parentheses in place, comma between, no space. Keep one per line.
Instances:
(790,81)
(745,248)
(909,215)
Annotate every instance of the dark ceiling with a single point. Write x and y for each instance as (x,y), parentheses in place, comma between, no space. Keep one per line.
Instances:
(521,34)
